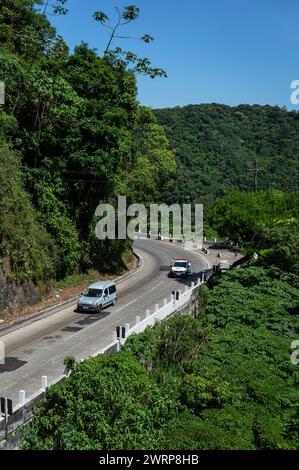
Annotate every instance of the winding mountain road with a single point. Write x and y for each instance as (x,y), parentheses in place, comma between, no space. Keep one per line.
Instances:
(39,345)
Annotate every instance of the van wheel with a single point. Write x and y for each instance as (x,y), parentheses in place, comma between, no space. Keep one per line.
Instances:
(99,309)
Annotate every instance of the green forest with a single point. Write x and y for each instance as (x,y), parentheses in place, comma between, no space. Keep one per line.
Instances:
(216,145)
(72,135)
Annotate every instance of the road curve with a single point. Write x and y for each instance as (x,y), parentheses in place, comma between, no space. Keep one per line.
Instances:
(39,347)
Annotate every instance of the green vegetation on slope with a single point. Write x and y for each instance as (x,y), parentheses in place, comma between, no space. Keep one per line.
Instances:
(216,144)
(81,137)
(24,242)
(265,222)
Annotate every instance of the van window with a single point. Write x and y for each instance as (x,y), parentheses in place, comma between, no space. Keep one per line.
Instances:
(93,293)
(105,292)
(112,289)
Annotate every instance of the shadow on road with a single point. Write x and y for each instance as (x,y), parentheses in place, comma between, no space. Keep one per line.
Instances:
(90,318)
(165,268)
(11,364)
(186,281)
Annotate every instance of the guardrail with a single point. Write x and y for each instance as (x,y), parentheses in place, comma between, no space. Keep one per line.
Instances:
(177,301)
(24,411)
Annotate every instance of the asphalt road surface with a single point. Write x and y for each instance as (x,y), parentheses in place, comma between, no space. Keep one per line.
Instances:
(39,346)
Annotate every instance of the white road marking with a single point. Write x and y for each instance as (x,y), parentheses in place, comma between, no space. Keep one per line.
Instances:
(206,261)
(124,306)
(133,301)
(154,287)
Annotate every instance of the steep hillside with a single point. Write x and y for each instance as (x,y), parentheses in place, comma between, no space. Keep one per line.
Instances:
(72,134)
(216,145)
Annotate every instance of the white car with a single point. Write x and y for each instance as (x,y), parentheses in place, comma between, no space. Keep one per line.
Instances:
(181,267)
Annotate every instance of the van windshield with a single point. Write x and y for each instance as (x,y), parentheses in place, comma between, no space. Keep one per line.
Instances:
(93,293)
(180,264)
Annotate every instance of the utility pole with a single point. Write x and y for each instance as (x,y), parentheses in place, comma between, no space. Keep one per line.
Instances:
(255,170)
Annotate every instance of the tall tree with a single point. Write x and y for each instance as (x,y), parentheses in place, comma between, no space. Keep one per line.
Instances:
(118,56)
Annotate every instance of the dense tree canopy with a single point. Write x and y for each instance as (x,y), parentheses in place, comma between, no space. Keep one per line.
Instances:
(80,135)
(216,146)
(23,239)
(266,222)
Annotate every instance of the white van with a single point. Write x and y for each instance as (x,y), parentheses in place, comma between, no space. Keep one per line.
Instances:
(98,296)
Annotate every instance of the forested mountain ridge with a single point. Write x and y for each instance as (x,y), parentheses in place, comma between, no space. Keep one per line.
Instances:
(216,146)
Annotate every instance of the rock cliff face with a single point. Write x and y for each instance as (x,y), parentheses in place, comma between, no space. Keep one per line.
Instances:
(15,296)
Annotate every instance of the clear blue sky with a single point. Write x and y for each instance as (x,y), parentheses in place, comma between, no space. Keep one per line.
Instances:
(224,51)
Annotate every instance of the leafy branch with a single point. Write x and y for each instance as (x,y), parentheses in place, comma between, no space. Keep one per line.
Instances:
(58,7)
(117,56)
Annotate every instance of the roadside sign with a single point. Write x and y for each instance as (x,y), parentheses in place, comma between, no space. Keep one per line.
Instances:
(6,406)
(120,332)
